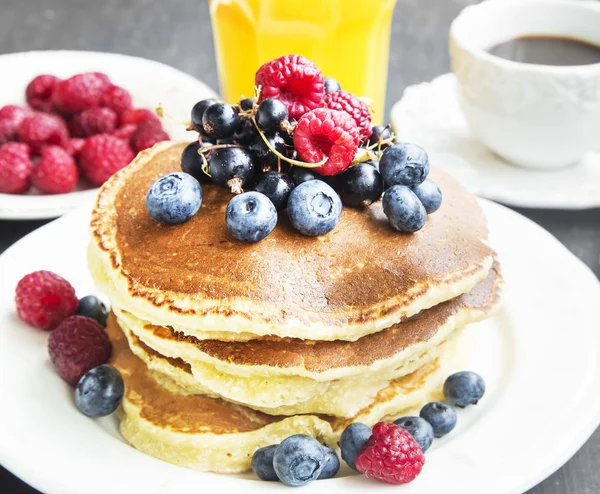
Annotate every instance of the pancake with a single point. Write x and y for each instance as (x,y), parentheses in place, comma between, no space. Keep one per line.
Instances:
(359,279)
(286,377)
(210,434)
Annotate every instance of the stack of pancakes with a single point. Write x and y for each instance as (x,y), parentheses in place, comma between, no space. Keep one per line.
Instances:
(226,347)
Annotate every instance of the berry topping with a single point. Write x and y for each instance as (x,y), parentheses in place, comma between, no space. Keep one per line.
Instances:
(147,135)
(380,133)
(294,80)
(138,115)
(325,133)
(464,388)
(262,463)
(300,175)
(198,112)
(250,217)
(419,428)
(80,92)
(331,465)
(42,129)
(442,417)
(15,168)
(231,167)
(314,208)
(391,455)
(270,114)
(56,172)
(344,101)
(246,104)
(44,299)
(11,117)
(191,162)
(220,120)
(352,441)
(430,196)
(403,209)
(276,186)
(298,460)
(92,122)
(39,91)
(100,391)
(116,99)
(331,85)
(102,155)
(174,198)
(92,307)
(360,185)
(262,155)
(77,345)
(126,131)
(404,164)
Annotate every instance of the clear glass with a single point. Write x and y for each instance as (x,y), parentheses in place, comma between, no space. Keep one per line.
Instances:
(347,39)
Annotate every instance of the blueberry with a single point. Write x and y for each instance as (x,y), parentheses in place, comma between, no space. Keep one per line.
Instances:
(191,162)
(442,417)
(430,196)
(353,439)
(404,164)
(174,198)
(92,307)
(198,112)
(331,465)
(231,167)
(99,391)
(246,104)
(419,428)
(220,120)
(262,154)
(251,216)
(270,114)
(262,463)
(298,460)
(276,186)
(403,209)
(380,133)
(464,388)
(246,133)
(331,85)
(360,185)
(300,175)
(314,208)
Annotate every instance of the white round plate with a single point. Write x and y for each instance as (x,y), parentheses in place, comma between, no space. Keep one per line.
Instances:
(149,82)
(540,357)
(429,115)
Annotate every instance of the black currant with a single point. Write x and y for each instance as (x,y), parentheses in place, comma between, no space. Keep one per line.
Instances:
(198,111)
(231,167)
(300,175)
(246,104)
(246,133)
(261,153)
(360,186)
(220,120)
(191,162)
(331,85)
(276,186)
(380,133)
(270,114)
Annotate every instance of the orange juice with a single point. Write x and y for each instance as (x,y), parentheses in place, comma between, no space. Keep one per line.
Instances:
(347,39)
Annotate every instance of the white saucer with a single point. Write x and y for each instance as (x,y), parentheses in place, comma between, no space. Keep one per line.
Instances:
(149,82)
(429,115)
(540,357)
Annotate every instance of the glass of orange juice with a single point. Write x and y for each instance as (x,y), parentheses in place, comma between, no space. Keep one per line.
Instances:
(347,39)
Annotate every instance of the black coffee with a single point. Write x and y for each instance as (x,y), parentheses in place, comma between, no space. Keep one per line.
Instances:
(548,50)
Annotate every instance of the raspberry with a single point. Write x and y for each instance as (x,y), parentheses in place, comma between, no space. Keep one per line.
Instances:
(56,172)
(92,122)
(11,117)
(117,99)
(294,80)
(344,101)
(42,129)
(77,345)
(324,132)
(39,92)
(44,299)
(75,145)
(15,168)
(137,116)
(102,155)
(125,132)
(147,135)
(391,455)
(80,92)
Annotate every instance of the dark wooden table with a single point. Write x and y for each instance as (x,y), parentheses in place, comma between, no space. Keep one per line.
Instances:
(178,33)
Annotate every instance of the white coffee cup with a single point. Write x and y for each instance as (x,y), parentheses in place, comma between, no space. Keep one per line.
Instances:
(537,116)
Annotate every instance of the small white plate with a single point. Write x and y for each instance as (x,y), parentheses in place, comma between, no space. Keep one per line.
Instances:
(149,82)
(429,115)
(540,357)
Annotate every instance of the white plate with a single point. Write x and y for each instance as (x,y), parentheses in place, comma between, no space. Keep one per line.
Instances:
(149,82)
(540,358)
(428,114)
